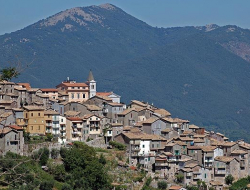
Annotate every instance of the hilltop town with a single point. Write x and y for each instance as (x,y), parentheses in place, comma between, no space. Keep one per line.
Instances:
(171,148)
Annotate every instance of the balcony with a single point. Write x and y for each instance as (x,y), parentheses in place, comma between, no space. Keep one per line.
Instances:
(75,133)
(135,143)
(95,126)
(48,124)
(63,129)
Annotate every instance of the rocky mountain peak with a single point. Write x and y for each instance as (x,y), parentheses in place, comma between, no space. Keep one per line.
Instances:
(210,27)
(108,6)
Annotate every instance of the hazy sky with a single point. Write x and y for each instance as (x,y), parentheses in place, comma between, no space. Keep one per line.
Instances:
(16,14)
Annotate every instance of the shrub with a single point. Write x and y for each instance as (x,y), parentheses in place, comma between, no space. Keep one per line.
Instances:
(47,185)
(117,145)
(229,179)
(179,178)
(66,187)
(162,184)
(43,153)
(102,160)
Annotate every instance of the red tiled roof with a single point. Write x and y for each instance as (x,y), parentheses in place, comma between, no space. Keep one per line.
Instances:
(74,118)
(16,127)
(26,85)
(74,84)
(103,93)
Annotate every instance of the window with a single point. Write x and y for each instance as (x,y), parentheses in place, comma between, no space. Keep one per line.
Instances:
(143,146)
(78,95)
(31,114)
(39,128)
(39,114)
(153,145)
(83,96)
(31,128)
(92,86)
(72,96)
(61,120)
(72,87)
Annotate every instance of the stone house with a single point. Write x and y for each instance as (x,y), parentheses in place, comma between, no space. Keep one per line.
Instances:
(11,139)
(245,147)
(161,165)
(138,104)
(7,118)
(174,148)
(242,157)
(196,153)
(128,117)
(169,133)
(117,128)
(208,155)
(153,126)
(228,147)
(99,101)
(6,88)
(144,113)
(223,166)
(111,109)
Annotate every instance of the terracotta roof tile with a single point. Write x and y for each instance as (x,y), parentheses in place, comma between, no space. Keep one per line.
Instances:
(103,93)
(74,118)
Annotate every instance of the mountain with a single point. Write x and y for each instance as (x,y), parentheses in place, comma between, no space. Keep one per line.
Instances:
(197,73)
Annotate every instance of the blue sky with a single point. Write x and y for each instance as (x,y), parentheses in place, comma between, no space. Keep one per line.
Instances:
(16,14)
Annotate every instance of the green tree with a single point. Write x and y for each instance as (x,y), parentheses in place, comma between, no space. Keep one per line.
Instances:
(59,172)
(179,178)
(43,154)
(8,73)
(102,160)
(49,137)
(66,187)
(162,184)
(229,179)
(54,153)
(47,185)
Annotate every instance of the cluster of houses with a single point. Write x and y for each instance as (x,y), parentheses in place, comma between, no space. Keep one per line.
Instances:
(75,111)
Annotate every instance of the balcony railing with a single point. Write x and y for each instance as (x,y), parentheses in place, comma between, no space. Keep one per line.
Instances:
(49,124)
